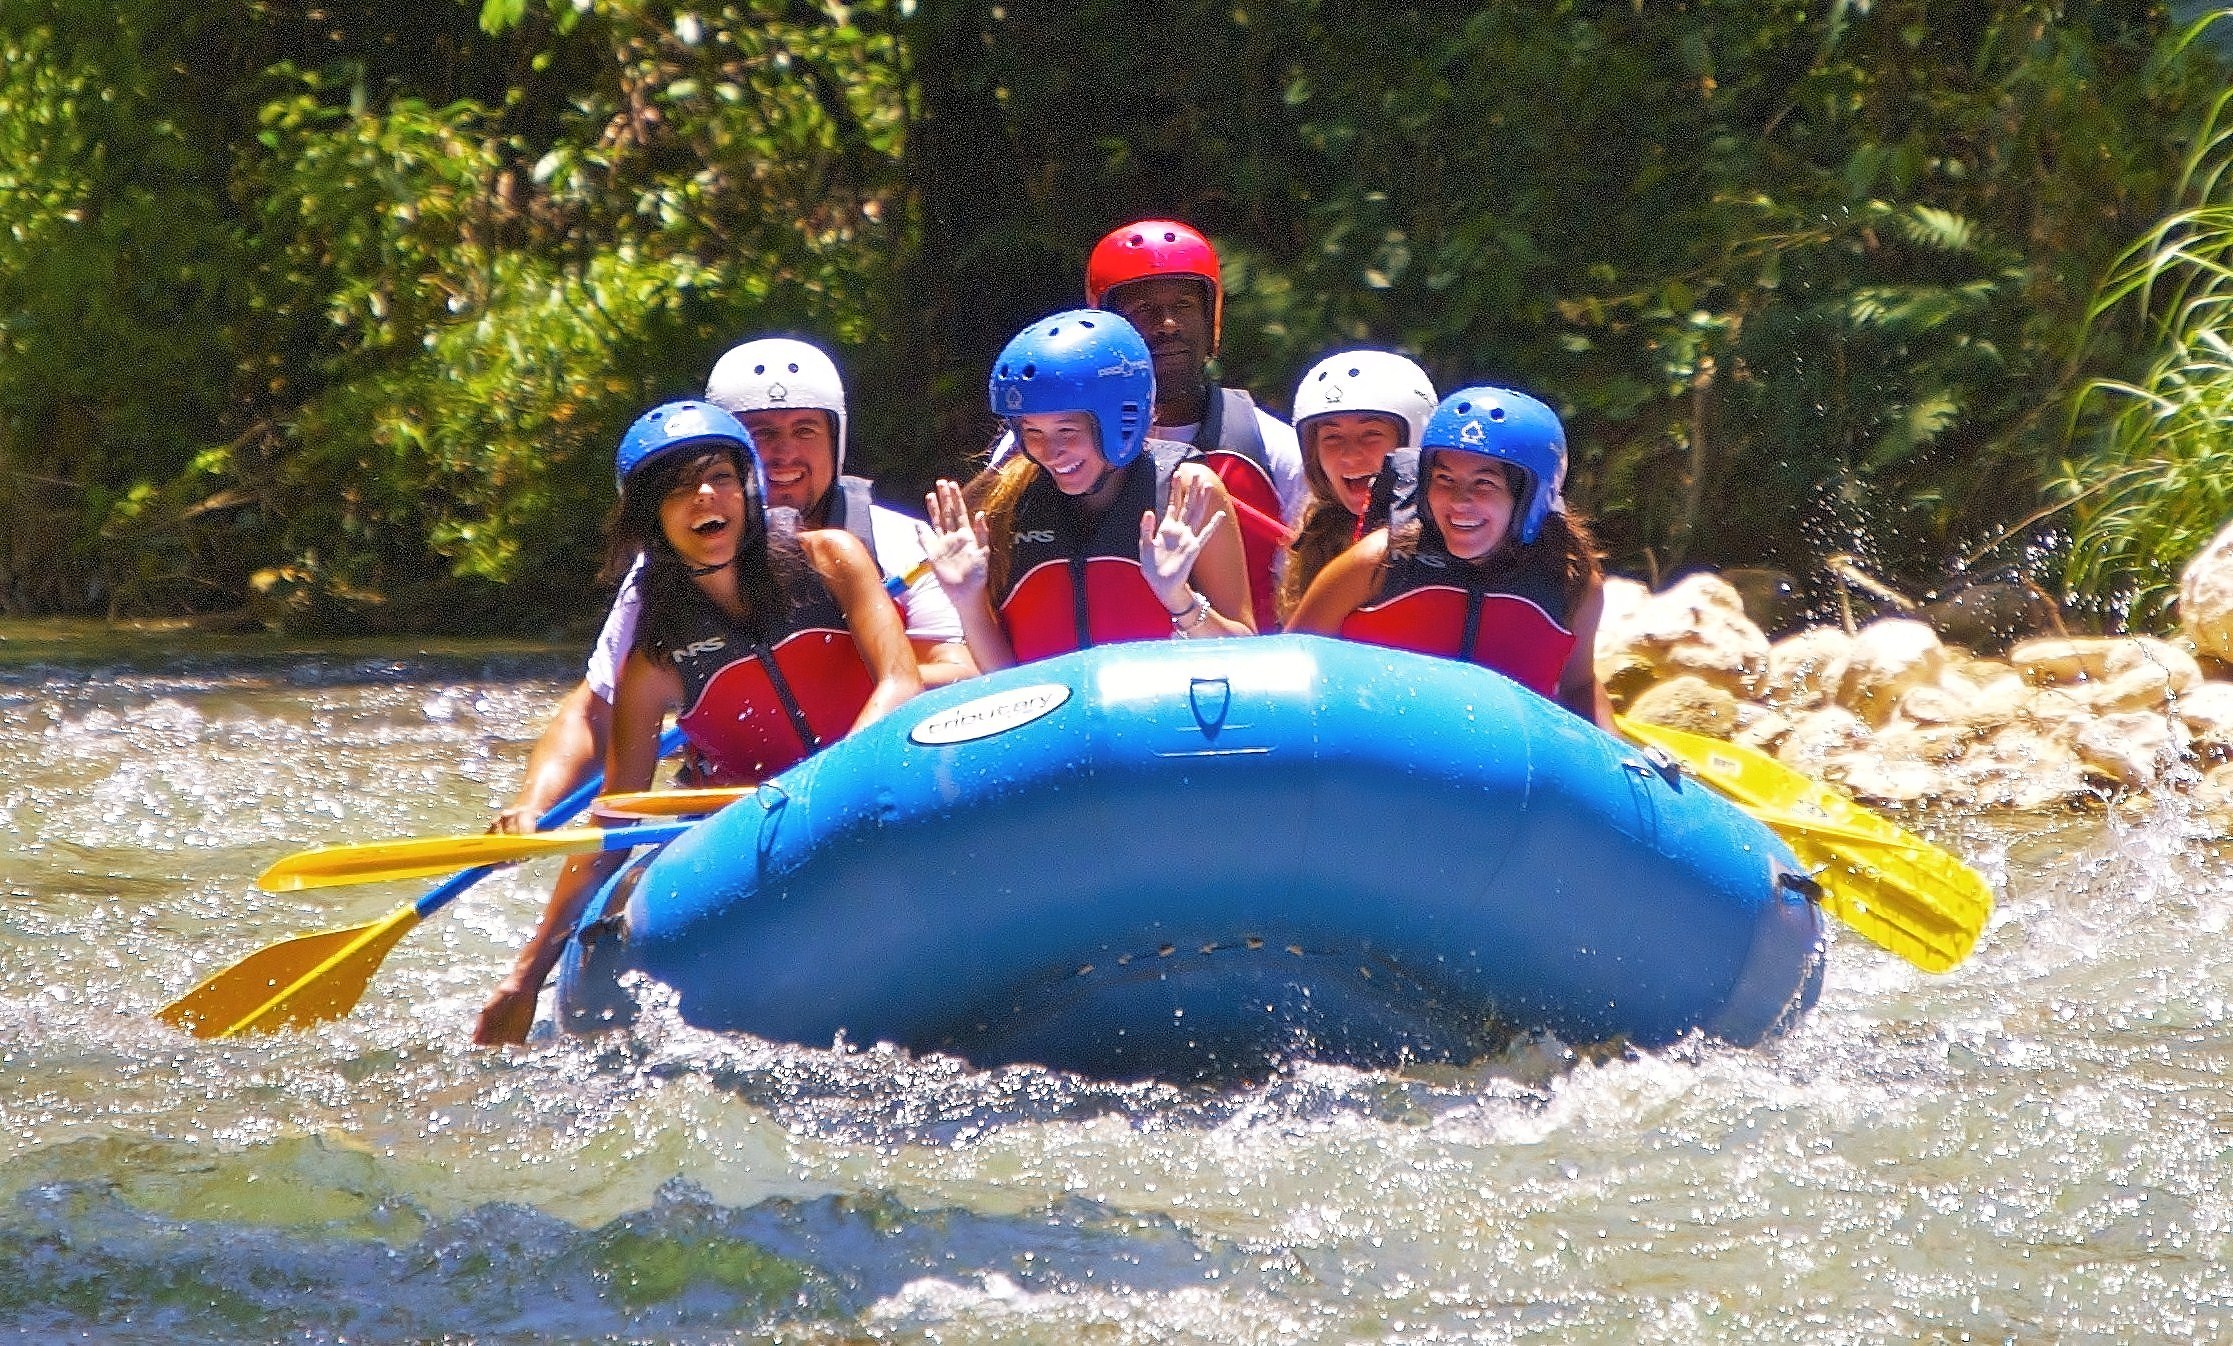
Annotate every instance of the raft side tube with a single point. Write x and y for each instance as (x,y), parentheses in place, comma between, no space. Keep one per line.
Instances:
(1209,853)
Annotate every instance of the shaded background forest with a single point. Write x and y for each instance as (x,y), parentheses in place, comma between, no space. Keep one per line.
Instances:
(328,315)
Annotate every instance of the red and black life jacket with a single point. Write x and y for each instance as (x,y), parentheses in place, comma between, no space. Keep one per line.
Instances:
(1074,581)
(1511,618)
(753,707)
(1232,445)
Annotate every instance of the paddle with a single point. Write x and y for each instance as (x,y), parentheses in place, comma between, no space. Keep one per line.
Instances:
(669,803)
(417,857)
(312,979)
(1895,889)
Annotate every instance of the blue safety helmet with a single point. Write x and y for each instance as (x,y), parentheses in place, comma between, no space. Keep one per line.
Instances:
(673,426)
(1088,360)
(1512,428)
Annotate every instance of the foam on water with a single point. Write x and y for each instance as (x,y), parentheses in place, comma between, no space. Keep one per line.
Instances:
(2033,1147)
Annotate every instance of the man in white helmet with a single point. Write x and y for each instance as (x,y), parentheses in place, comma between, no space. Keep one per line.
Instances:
(789,395)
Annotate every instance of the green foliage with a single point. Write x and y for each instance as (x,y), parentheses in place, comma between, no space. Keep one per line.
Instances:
(2155,482)
(117,279)
(334,318)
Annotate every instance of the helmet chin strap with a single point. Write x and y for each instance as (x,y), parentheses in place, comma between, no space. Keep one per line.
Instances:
(1107,471)
(699,572)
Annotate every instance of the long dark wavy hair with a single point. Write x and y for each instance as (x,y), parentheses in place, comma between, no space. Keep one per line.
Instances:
(769,564)
(1563,551)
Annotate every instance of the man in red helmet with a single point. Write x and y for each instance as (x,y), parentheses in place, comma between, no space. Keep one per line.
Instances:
(1162,277)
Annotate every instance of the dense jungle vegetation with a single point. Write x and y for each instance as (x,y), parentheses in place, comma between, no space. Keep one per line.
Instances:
(327,314)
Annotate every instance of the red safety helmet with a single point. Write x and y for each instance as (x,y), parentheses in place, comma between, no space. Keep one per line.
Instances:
(1150,249)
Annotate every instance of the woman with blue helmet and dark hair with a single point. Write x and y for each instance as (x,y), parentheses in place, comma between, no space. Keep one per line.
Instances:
(769,641)
(1494,570)
(1095,533)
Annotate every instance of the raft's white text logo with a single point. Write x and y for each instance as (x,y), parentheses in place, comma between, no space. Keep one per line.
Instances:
(1035,535)
(986,716)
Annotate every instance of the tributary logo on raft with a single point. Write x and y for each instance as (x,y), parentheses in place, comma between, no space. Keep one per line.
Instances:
(989,715)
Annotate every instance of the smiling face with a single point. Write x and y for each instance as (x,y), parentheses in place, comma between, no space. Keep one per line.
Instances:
(1066,445)
(1471,500)
(703,515)
(799,456)
(1351,447)
(1173,314)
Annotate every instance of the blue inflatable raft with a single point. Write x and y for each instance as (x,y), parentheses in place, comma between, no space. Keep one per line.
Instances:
(1173,859)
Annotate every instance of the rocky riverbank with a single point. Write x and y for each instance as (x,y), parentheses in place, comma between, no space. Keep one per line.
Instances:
(1898,716)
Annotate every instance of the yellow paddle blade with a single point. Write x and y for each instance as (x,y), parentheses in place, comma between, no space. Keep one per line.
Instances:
(1895,889)
(418,857)
(669,803)
(295,983)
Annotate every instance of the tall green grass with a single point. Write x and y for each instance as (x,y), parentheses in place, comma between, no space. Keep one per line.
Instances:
(2150,480)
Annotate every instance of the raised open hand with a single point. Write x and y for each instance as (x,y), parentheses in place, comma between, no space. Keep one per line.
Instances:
(954,542)
(1169,545)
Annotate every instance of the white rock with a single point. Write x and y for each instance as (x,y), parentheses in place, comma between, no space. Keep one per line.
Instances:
(1818,735)
(2132,748)
(1697,626)
(1759,728)
(1888,658)
(2206,597)
(2021,767)
(2208,713)
(1804,668)
(1688,703)
(1876,779)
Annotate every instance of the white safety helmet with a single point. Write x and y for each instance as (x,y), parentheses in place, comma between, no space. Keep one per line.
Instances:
(1370,381)
(780,374)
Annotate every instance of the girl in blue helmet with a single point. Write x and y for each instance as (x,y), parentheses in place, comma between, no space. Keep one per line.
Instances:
(1494,570)
(1094,533)
(769,641)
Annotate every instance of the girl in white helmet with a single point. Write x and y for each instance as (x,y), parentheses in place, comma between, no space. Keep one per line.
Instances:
(1359,415)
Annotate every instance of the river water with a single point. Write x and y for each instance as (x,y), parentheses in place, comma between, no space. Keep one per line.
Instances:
(2032,1148)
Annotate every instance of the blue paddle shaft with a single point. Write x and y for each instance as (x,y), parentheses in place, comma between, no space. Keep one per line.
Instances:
(562,811)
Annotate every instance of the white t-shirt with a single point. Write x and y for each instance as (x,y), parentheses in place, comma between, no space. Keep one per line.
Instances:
(929,613)
(1283,453)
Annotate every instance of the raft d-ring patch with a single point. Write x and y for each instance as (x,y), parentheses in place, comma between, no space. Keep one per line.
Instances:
(989,715)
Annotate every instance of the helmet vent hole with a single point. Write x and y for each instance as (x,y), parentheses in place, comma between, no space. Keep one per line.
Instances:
(1465,408)
(1496,413)
(1087,324)
(1031,371)
(794,367)
(759,369)
(1355,372)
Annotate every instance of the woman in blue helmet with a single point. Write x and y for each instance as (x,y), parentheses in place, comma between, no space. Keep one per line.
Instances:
(1494,570)
(769,641)
(1094,533)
